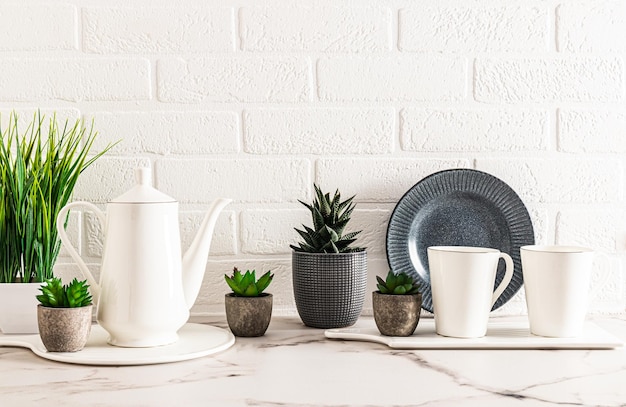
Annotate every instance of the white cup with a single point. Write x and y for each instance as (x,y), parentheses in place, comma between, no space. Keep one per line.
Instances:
(556,281)
(462,282)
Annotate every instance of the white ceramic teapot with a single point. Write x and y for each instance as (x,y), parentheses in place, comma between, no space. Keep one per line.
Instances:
(146,288)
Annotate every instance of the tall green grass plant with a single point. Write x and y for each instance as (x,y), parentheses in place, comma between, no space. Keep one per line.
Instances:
(39,168)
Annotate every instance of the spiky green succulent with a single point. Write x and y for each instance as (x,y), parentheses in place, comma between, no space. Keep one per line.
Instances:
(246,285)
(397,284)
(55,294)
(330,217)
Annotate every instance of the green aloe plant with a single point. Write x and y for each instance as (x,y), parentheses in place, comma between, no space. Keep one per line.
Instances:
(39,168)
(397,284)
(55,294)
(246,285)
(330,217)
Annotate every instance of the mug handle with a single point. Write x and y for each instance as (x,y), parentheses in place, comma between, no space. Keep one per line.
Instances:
(508,275)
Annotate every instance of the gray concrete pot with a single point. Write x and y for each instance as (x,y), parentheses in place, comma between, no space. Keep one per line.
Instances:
(396,315)
(64,329)
(329,289)
(248,316)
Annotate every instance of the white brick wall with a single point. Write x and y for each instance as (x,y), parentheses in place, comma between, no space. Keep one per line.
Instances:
(234,79)
(112,176)
(251,180)
(257,100)
(483,29)
(38,27)
(592,130)
(378,180)
(591,26)
(553,79)
(319,131)
(401,78)
(25,116)
(570,181)
(74,79)
(157,30)
(168,132)
(473,130)
(589,227)
(325,29)
(270,231)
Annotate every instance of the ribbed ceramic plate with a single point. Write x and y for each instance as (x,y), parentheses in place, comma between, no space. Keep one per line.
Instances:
(500,335)
(459,207)
(195,340)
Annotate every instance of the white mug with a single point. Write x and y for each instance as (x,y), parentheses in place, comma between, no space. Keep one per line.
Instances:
(556,281)
(462,281)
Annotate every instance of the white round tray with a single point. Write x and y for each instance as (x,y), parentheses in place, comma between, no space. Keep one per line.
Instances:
(195,340)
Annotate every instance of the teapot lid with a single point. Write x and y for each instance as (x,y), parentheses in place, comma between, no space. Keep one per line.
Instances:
(143,192)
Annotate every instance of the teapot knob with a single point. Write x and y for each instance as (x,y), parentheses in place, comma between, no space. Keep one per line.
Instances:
(144,176)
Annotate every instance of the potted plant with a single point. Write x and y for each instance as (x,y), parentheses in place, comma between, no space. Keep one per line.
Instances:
(248,308)
(397,304)
(64,315)
(329,274)
(39,168)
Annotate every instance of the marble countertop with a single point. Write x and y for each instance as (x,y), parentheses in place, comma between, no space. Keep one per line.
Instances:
(293,365)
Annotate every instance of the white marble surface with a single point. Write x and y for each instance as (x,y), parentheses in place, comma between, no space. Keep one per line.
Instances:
(296,366)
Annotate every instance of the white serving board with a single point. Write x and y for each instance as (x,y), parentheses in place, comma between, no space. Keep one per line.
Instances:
(500,335)
(195,340)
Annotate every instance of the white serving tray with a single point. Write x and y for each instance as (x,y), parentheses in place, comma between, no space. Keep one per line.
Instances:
(500,335)
(195,340)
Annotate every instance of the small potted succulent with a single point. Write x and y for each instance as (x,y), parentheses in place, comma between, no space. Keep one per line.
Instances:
(64,315)
(248,308)
(397,305)
(329,274)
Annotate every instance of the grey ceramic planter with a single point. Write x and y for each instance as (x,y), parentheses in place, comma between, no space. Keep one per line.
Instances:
(396,315)
(329,289)
(248,316)
(64,329)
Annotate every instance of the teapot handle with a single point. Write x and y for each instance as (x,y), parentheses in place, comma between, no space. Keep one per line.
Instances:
(95,287)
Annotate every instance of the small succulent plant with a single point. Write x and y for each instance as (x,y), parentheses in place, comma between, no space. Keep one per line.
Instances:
(330,217)
(397,284)
(55,294)
(246,285)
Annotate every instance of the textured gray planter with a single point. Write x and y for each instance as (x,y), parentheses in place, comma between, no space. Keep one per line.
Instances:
(329,289)
(396,315)
(64,329)
(248,316)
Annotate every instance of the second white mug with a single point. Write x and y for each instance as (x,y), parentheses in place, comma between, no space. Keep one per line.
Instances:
(462,281)
(556,281)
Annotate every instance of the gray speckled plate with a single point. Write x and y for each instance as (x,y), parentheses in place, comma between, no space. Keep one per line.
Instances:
(458,207)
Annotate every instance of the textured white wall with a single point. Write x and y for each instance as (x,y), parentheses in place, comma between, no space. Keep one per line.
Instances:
(256,100)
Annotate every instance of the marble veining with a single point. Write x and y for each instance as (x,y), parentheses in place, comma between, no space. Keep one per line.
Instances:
(293,365)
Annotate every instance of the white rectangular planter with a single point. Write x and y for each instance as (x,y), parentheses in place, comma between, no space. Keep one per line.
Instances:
(18,308)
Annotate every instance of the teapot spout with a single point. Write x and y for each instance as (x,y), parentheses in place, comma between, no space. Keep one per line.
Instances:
(194,260)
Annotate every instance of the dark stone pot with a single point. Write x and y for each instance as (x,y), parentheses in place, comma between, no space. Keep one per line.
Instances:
(396,315)
(329,289)
(64,329)
(248,316)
